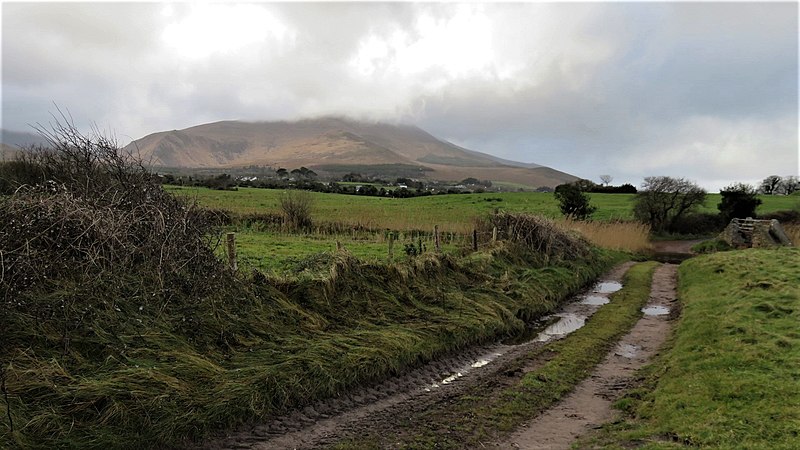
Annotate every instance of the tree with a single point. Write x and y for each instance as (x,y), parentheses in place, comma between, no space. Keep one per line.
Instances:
(281,172)
(664,200)
(573,202)
(606,179)
(739,200)
(770,185)
(790,184)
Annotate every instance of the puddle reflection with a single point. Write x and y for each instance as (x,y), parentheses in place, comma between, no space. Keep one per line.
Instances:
(595,300)
(607,287)
(655,311)
(568,323)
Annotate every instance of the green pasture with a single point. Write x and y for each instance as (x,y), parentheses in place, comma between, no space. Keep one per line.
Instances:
(287,253)
(454,212)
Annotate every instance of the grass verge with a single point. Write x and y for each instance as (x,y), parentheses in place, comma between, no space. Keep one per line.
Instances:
(487,412)
(731,377)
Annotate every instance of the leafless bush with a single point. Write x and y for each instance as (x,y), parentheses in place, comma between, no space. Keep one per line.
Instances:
(536,234)
(93,211)
(296,207)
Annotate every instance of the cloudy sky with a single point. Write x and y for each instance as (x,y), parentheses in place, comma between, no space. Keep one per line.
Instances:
(708,91)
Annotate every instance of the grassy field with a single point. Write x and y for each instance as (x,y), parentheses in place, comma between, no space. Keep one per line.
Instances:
(731,378)
(451,212)
(285,253)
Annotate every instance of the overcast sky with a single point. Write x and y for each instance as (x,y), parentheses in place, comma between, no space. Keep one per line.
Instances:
(708,91)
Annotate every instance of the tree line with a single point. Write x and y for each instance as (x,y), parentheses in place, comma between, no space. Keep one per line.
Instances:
(670,204)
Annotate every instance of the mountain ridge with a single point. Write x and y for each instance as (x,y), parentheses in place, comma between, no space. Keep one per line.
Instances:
(334,144)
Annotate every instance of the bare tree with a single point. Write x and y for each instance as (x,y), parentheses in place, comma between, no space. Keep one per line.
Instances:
(664,200)
(770,185)
(606,179)
(789,185)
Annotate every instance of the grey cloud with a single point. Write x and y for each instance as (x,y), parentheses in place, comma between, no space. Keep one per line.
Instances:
(585,88)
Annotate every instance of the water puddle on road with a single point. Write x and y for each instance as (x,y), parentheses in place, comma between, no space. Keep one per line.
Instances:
(595,300)
(626,350)
(607,287)
(655,311)
(569,322)
(572,317)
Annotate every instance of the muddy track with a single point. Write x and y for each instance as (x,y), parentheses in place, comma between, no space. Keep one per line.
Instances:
(589,404)
(384,405)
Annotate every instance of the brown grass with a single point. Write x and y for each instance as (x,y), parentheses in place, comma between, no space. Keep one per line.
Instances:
(793,231)
(628,236)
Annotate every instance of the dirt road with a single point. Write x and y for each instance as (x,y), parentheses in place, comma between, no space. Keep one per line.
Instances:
(589,405)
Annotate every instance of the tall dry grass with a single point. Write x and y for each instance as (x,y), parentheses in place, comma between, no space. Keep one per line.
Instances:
(628,236)
(793,231)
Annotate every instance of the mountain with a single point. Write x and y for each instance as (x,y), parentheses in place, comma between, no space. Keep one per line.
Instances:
(12,143)
(335,146)
(20,139)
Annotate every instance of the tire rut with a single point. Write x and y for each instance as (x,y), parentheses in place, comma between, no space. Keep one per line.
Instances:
(590,403)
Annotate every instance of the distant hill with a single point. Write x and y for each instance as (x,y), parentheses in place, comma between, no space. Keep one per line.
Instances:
(335,145)
(20,139)
(12,143)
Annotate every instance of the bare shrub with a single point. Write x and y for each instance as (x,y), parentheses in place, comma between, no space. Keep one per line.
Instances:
(536,234)
(296,208)
(92,214)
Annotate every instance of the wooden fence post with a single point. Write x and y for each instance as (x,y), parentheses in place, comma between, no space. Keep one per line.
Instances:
(474,240)
(232,251)
(436,238)
(494,234)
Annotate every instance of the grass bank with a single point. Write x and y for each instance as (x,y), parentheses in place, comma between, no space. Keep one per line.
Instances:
(731,378)
(487,412)
(125,364)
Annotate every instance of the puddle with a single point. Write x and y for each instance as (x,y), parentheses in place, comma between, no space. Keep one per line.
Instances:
(655,311)
(626,350)
(607,287)
(595,300)
(568,323)
(531,331)
(480,363)
(452,378)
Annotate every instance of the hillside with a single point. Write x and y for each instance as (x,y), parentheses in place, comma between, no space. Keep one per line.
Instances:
(335,146)
(12,141)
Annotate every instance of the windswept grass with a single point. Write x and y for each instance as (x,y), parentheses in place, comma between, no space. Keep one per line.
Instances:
(484,415)
(130,365)
(731,377)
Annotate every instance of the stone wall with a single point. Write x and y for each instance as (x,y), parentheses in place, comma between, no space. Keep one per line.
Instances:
(745,233)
